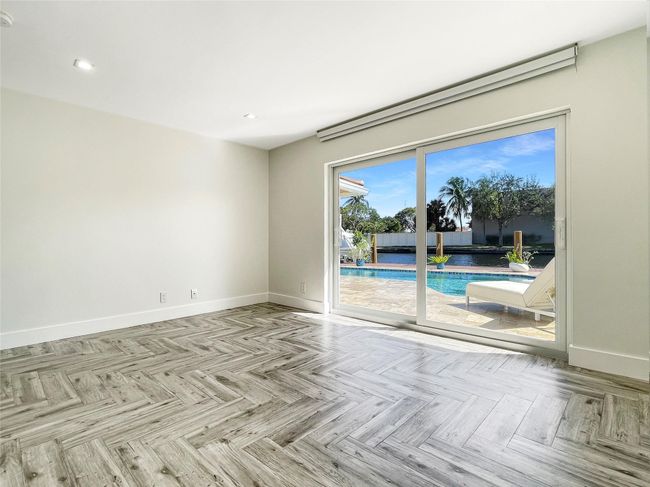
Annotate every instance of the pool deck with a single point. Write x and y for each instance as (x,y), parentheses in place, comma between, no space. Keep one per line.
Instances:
(400,297)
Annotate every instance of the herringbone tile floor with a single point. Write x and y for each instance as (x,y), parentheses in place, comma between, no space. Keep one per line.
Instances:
(269,396)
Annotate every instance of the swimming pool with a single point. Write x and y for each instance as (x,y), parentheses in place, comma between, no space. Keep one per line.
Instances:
(450,283)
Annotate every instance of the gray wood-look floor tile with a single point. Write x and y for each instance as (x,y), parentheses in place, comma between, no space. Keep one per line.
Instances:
(267,395)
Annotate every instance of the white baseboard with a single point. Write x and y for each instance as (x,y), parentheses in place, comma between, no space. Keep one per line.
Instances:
(302,303)
(613,363)
(78,328)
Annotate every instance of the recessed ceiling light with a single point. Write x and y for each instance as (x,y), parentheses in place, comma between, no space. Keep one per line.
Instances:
(83,64)
(250,116)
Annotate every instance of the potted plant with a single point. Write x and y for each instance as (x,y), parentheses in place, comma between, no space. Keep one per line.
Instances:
(439,260)
(519,264)
(361,250)
(359,255)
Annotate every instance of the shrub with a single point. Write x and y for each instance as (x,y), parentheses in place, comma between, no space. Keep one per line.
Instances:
(439,259)
(525,258)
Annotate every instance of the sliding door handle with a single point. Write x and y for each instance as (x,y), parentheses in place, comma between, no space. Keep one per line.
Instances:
(560,233)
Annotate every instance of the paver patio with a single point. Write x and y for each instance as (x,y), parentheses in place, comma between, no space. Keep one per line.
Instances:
(400,297)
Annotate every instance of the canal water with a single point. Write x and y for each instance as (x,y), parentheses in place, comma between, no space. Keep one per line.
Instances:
(491,260)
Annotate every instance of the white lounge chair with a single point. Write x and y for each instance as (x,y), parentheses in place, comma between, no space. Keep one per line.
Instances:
(345,244)
(537,297)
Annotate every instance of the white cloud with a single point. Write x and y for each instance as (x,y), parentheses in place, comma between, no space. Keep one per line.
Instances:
(527,144)
(468,167)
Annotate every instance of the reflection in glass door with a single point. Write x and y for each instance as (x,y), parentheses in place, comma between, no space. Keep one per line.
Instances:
(494,250)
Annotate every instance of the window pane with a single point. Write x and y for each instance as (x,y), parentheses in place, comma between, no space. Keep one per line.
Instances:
(377,245)
(480,199)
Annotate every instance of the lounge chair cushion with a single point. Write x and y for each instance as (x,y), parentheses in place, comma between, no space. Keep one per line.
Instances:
(504,292)
(537,293)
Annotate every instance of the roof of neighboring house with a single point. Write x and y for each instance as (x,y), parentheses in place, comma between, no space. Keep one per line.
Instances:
(351,187)
(358,182)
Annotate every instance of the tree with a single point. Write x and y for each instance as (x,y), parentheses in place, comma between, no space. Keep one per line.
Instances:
(483,200)
(406,219)
(537,200)
(372,223)
(508,200)
(503,197)
(436,219)
(390,225)
(372,226)
(355,211)
(457,192)
(358,216)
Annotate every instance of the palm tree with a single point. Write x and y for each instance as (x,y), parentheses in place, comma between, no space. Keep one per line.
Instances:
(457,191)
(358,201)
(355,211)
(437,221)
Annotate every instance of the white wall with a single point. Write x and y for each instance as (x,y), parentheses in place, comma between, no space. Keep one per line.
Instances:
(408,239)
(607,133)
(100,213)
(541,228)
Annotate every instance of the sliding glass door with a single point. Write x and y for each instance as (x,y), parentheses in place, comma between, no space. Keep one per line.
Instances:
(374,245)
(465,235)
(492,262)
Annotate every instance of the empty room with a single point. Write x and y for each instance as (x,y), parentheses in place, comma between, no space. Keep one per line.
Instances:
(324,243)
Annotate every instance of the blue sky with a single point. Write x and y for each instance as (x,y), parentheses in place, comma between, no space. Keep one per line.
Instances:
(392,186)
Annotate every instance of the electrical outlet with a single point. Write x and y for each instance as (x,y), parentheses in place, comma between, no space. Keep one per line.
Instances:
(303,287)
(163,297)
(194,293)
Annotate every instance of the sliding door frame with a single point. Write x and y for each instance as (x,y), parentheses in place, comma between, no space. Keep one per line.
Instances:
(332,268)
(558,124)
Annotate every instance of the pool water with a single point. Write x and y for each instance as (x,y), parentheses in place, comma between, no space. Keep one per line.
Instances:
(450,283)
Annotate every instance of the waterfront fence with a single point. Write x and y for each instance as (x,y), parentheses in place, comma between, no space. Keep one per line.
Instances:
(407,239)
